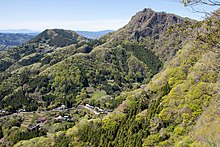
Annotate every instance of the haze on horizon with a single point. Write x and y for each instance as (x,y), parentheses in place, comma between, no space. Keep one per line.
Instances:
(84,14)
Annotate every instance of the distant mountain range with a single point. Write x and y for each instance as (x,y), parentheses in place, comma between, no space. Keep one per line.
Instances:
(87,34)
(20,31)
(94,35)
(8,40)
(14,37)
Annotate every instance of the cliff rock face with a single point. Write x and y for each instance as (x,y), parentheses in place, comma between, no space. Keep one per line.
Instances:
(149,23)
(153,24)
(152,28)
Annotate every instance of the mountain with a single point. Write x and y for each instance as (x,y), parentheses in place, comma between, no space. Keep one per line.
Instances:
(129,62)
(152,27)
(58,37)
(176,108)
(20,31)
(35,49)
(12,38)
(94,35)
(8,40)
(151,83)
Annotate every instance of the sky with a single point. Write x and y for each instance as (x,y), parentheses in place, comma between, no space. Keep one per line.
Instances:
(89,15)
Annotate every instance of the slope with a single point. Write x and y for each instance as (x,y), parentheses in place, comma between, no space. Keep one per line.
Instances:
(43,70)
(169,111)
(8,40)
(152,28)
(20,65)
(160,113)
(173,109)
(58,37)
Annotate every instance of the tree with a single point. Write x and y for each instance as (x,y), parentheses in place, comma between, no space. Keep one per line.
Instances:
(203,2)
(1,133)
(206,32)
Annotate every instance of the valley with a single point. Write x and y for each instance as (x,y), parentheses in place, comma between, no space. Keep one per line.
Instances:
(153,82)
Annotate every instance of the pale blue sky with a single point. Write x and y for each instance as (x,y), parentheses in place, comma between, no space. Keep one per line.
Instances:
(91,15)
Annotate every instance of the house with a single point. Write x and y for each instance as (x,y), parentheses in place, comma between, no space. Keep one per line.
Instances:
(64,118)
(3,111)
(21,110)
(59,118)
(42,121)
(99,109)
(68,118)
(62,107)
(89,106)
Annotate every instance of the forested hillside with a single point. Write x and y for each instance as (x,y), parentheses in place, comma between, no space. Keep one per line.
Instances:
(8,40)
(154,82)
(43,70)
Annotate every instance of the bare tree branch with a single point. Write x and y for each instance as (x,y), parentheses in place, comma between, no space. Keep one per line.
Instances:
(201,2)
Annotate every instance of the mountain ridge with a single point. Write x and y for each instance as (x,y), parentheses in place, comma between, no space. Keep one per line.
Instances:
(58,37)
(138,86)
(8,40)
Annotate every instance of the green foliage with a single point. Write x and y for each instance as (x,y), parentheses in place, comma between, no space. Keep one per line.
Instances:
(62,126)
(144,54)
(65,37)
(152,140)
(166,115)
(176,76)
(163,112)
(198,97)
(178,96)
(179,130)
(25,135)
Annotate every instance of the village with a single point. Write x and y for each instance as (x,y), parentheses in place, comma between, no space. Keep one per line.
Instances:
(60,119)
(60,114)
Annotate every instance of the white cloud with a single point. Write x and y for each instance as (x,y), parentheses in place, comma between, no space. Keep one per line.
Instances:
(91,25)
